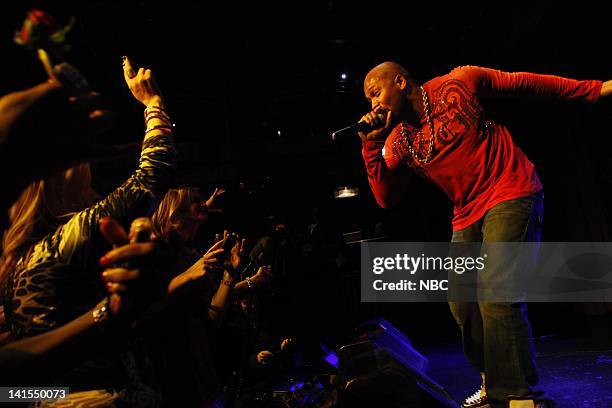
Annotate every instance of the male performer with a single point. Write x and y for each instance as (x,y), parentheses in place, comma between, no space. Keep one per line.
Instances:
(442,131)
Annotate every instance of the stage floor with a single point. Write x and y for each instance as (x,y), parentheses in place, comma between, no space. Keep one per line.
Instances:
(574,371)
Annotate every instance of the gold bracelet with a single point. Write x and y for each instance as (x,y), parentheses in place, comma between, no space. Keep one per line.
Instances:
(101,313)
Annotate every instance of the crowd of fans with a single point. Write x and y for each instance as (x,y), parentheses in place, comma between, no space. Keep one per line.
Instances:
(111,296)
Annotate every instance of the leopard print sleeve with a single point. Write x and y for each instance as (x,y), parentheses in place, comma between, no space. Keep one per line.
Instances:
(144,188)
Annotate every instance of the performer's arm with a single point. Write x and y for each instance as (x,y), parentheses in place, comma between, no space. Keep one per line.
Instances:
(494,83)
(387,184)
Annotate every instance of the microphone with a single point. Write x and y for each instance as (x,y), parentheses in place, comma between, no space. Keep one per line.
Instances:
(351,131)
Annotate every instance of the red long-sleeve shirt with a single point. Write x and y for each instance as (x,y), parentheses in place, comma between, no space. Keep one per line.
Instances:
(474,160)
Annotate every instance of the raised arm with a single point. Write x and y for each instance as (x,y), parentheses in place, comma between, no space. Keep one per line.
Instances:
(493,83)
(155,172)
(156,167)
(261,278)
(219,302)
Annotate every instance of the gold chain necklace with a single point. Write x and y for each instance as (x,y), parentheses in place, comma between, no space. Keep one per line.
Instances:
(404,133)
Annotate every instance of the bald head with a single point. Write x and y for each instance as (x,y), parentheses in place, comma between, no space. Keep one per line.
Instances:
(385,71)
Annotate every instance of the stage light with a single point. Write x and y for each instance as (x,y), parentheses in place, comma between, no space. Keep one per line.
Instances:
(278,132)
(346,192)
(343,76)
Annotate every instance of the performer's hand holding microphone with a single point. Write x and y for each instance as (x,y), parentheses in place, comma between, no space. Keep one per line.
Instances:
(372,126)
(379,126)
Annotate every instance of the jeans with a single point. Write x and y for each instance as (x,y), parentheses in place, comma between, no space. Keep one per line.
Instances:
(496,336)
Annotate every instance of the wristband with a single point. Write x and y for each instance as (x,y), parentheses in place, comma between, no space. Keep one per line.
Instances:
(154,108)
(158,127)
(156,115)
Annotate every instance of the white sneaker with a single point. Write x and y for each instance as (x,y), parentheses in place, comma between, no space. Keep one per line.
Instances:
(477,399)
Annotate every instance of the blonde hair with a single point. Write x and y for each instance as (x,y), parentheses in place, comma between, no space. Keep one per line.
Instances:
(40,209)
(172,210)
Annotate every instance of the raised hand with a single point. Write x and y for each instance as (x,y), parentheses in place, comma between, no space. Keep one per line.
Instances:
(210,203)
(200,268)
(263,275)
(237,252)
(209,258)
(142,84)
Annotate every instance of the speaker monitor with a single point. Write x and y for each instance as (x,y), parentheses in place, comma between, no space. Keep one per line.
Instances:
(383,369)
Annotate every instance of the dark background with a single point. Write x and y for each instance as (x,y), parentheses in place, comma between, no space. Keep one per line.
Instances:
(236,74)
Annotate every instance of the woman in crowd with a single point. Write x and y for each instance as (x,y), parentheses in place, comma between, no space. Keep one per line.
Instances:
(184,344)
(177,220)
(49,267)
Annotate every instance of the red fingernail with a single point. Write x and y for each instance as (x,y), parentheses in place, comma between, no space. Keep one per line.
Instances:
(104,260)
(104,274)
(115,303)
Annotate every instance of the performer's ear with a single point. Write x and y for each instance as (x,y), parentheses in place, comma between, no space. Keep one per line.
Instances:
(402,83)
